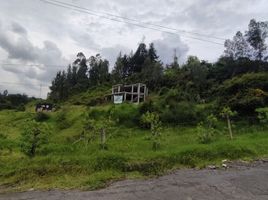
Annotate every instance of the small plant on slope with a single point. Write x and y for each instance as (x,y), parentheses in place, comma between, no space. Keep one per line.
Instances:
(94,127)
(35,135)
(227,113)
(207,131)
(152,119)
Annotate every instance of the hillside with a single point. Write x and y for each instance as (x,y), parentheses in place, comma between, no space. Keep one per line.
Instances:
(196,114)
(65,162)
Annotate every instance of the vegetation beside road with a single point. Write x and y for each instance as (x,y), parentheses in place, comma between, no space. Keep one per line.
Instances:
(66,163)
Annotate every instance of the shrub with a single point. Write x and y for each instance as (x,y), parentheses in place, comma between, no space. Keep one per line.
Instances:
(41,117)
(62,121)
(110,161)
(126,114)
(152,121)
(96,114)
(227,113)
(180,113)
(245,93)
(93,128)
(35,134)
(5,143)
(205,136)
(21,108)
(163,91)
(262,115)
(206,131)
(2,136)
(147,106)
(154,166)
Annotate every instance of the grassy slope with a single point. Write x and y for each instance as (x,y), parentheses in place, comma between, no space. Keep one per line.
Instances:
(62,164)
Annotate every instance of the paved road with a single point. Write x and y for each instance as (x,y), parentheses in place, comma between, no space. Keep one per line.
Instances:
(241,181)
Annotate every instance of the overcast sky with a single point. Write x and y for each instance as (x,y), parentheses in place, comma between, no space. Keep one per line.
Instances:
(34,32)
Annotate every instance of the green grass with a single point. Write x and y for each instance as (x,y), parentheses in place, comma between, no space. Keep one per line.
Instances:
(63,164)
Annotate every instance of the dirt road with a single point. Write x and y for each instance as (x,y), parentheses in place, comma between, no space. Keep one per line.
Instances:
(240,181)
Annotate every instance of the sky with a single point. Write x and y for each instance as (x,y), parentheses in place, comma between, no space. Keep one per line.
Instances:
(37,39)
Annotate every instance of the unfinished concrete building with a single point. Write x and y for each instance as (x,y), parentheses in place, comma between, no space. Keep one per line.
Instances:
(134,93)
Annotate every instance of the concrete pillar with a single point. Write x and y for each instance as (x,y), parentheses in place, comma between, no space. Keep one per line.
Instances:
(132,90)
(139,89)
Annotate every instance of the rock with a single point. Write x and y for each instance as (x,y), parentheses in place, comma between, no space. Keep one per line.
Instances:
(224,165)
(212,167)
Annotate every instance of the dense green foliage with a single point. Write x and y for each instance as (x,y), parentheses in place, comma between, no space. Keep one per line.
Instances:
(238,79)
(65,163)
(33,137)
(13,101)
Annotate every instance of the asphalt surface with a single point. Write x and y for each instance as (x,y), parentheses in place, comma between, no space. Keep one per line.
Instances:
(240,181)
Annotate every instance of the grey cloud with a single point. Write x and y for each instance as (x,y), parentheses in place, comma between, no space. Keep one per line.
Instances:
(17,28)
(25,52)
(166,47)
(20,49)
(111,53)
(84,39)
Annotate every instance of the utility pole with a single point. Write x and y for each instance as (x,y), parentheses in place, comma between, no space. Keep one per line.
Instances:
(40,91)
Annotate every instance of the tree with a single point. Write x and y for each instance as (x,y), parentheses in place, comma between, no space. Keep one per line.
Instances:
(5,93)
(152,120)
(99,70)
(194,77)
(34,136)
(256,36)
(152,53)
(138,58)
(206,131)
(250,45)
(93,128)
(151,73)
(227,113)
(244,93)
(238,47)
(59,90)
(118,71)
(82,72)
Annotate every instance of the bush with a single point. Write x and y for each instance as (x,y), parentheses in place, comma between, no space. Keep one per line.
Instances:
(97,114)
(41,117)
(62,121)
(2,136)
(163,91)
(205,136)
(245,93)
(21,108)
(110,161)
(126,114)
(152,121)
(147,106)
(180,113)
(262,115)
(149,167)
(35,134)
(5,143)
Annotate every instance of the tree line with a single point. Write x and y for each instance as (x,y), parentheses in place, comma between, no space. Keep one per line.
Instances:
(195,81)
